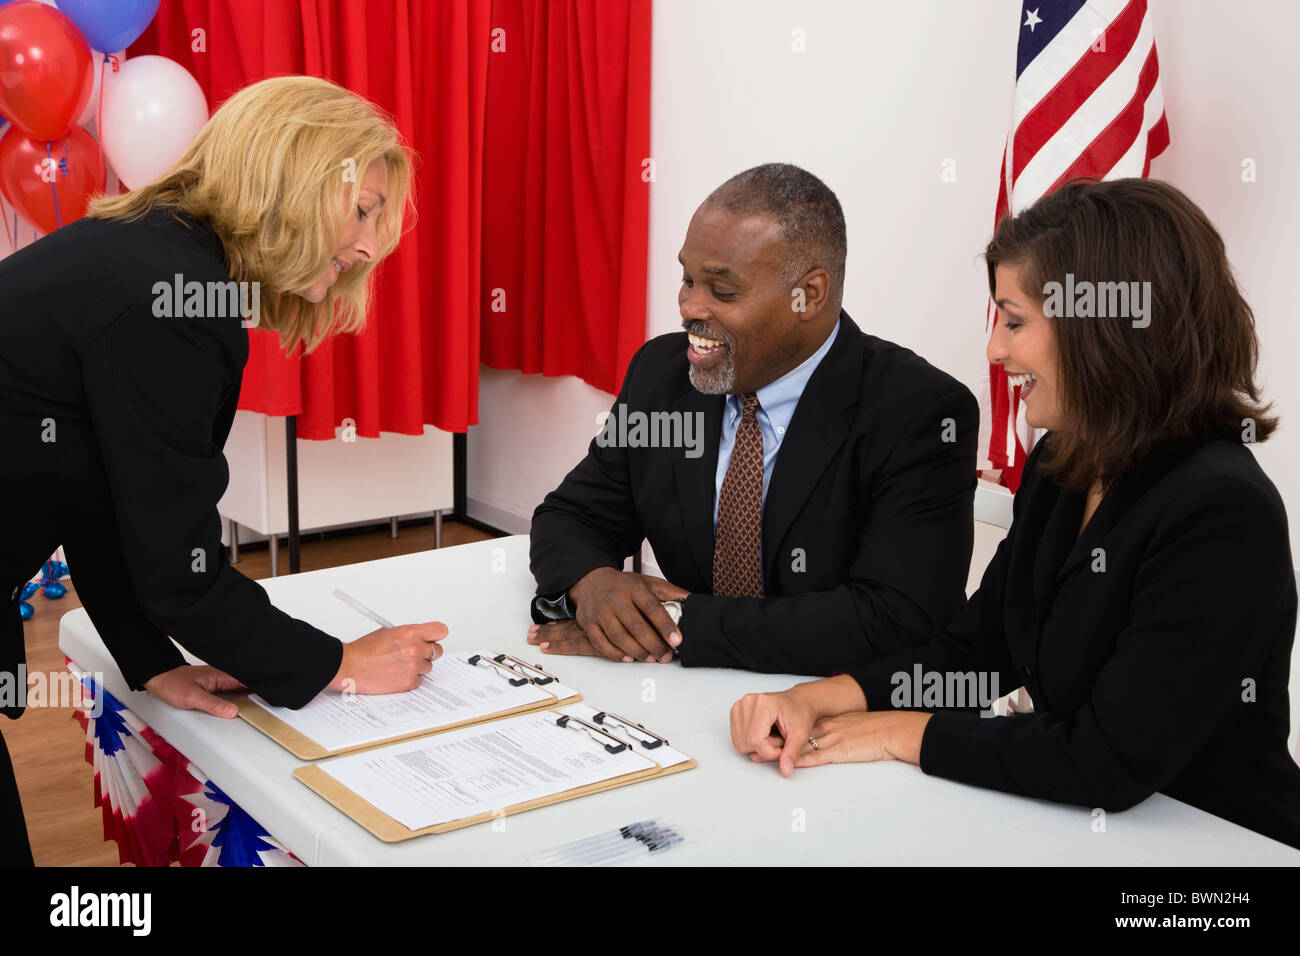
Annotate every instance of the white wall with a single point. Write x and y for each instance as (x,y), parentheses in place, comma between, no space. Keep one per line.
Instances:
(1230,85)
(531,431)
(882,96)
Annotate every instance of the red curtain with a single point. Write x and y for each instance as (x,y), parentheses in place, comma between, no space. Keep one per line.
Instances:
(416,362)
(531,122)
(566,187)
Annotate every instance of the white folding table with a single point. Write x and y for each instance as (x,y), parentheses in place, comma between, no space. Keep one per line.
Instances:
(733,811)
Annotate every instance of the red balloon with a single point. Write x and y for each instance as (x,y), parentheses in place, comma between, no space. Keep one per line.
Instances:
(73,172)
(46,72)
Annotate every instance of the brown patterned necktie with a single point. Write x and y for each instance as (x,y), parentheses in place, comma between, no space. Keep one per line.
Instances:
(736,568)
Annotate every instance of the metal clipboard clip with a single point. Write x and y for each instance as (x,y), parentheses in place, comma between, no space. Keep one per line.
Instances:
(633,729)
(592,731)
(525,668)
(514,670)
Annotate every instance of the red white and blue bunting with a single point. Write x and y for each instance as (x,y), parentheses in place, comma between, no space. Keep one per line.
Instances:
(157,805)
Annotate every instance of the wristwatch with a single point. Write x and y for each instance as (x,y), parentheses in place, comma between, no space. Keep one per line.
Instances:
(674,609)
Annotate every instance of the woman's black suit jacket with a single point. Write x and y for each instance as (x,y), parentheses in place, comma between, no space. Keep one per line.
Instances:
(1156,646)
(112,424)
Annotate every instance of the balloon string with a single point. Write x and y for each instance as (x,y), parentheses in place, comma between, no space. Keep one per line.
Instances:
(11,236)
(99,110)
(51,167)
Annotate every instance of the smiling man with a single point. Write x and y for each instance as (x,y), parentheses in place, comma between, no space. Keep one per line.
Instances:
(828,518)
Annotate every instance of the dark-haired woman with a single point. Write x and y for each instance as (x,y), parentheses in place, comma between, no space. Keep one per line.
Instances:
(1144,594)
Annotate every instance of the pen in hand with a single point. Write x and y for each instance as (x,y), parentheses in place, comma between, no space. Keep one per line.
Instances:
(383,662)
(356,605)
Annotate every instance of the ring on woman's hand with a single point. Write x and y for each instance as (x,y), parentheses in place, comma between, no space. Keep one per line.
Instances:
(815,745)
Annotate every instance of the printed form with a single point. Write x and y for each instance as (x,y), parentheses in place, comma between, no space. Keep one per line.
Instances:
(474,770)
(453,692)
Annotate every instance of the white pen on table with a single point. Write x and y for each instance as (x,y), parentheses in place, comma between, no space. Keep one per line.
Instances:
(600,839)
(356,605)
(636,840)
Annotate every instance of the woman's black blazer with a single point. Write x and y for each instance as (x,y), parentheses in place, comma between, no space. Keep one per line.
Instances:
(1156,646)
(113,418)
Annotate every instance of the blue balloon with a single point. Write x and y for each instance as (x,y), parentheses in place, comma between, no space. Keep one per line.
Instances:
(110,25)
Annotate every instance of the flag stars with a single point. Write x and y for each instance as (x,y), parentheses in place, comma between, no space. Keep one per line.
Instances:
(1032,19)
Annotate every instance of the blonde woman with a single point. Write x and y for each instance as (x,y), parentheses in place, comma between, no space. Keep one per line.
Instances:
(122,345)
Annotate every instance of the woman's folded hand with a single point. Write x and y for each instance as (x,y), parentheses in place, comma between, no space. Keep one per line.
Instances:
(779,726)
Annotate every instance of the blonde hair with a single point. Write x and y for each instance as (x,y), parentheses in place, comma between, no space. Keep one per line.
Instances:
(268,173)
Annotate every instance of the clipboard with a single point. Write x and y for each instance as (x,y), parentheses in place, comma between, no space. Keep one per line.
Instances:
(386,828)
(508,667)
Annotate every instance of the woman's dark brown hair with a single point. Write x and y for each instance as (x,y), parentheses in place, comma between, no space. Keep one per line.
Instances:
(1183,371)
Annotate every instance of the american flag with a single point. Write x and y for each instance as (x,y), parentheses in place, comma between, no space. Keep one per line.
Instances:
(1087,103)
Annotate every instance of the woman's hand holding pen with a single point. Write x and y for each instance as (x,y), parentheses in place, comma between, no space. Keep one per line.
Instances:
(389,660)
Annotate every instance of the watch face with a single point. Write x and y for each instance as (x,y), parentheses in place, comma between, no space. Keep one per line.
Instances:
(674,609)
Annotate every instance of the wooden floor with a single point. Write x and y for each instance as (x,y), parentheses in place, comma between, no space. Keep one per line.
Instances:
(47,744)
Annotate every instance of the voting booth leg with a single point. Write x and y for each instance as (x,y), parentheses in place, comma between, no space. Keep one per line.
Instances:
(291,465)
(15,849)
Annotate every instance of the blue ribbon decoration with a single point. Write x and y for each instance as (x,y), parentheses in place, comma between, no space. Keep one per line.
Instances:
(237,834)
(110,728)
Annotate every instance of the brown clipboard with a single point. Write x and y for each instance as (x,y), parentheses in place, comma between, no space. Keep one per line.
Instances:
(385,828)
(304,748)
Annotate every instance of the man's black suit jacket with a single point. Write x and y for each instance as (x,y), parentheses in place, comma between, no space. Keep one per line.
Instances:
(1156,645)
(867,524)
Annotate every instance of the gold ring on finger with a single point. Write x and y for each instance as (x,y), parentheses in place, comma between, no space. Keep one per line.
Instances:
(815,746)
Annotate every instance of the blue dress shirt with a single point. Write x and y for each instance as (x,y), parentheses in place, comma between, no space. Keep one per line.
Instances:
(777,403)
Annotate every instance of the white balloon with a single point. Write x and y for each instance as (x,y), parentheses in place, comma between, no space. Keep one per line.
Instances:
(101,69)
(153,109)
